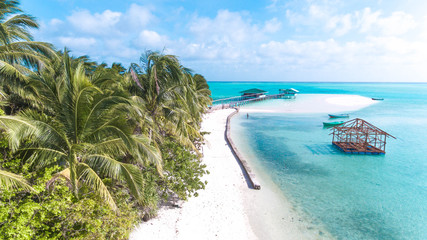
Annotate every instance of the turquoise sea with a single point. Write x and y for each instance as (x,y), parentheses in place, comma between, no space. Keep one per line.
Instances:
(352,196)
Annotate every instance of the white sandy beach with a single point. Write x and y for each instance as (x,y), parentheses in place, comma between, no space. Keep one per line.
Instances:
(228,208)
(218,212)
(221,211)
(312,103)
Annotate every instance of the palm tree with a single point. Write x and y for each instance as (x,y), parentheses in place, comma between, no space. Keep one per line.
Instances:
(18,51)
(19,54)
(159,75)
(160,84)
(192,98)
(83,128)
(203,92)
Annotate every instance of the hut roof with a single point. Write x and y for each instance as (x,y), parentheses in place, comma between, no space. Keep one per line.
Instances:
(253,91)
(360,125)
(289,90)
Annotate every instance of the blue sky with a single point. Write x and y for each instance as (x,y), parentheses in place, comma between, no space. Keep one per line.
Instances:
(260,40)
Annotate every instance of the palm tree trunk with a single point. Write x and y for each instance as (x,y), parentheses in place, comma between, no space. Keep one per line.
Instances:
(73,174)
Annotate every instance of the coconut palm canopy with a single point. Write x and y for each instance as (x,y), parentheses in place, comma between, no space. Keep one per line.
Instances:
(81,127)
(19,54)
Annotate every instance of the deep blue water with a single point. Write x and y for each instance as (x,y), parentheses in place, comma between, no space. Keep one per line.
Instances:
(353,196)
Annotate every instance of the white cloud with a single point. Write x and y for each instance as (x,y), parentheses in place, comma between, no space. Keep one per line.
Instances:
(310,53)
(228,37)
(77,42)
(108,35)
(318,12)
(226,28)
(118,48)
(272,25)
(273,5)
(340,24)
(397,23)
(365,21)
(374,50)
(322,17)
(54,22)
(98,23)
(138,16)
(149,38)
(423,27)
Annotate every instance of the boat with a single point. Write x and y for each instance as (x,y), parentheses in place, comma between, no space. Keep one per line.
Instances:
(378,99)
(338,115)
(331,124)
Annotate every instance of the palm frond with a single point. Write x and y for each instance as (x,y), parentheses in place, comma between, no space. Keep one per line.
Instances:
(10,180)
(112,168)
(89,177)
(146,151)
(22,128)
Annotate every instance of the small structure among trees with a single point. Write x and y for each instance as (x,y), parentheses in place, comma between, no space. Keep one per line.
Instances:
(360,137)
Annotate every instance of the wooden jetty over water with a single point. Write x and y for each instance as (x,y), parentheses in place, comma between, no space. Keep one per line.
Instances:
(359,137)
(251,96)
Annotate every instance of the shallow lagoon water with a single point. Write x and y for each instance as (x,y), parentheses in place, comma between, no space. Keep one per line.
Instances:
(352,196)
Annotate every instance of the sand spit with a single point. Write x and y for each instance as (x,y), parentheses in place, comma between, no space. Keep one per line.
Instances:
(311,103)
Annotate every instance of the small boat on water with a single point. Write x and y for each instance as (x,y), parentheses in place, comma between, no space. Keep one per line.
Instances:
(338,115)
(378,99)
(331,124)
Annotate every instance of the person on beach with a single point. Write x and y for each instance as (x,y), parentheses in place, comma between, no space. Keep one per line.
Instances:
(247,115)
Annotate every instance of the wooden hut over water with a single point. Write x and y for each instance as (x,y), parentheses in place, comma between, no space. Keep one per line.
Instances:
(288,92)
(360,137)
(253,93)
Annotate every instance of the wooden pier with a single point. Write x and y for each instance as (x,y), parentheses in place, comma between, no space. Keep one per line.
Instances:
(249,175)
(233,102)
(259,99)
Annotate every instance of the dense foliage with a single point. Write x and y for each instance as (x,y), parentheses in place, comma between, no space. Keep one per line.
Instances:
(88,150)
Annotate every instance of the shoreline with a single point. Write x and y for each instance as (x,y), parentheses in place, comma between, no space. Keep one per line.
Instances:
(218,212)
(280,207)
(226,209)
(278,218)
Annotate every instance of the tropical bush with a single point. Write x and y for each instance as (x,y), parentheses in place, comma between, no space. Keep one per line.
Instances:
(56,214)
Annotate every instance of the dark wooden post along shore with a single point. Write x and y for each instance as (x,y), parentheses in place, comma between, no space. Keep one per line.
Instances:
(243,163)
(248,96)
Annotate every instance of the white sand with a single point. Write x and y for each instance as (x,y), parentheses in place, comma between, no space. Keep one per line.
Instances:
(227,208)
(218,212)
(312,103)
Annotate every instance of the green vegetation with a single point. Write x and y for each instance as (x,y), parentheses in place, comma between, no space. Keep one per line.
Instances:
(87,150)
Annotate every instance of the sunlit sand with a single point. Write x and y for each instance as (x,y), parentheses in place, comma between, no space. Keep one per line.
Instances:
(311,103)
